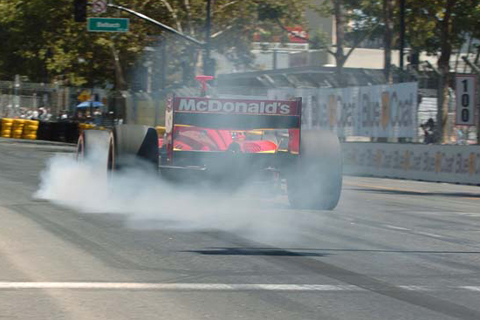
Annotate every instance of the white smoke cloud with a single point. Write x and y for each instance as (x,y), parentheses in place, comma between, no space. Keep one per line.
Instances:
(148,202)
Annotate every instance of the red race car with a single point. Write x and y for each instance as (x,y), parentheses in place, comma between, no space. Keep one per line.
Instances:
(230,142)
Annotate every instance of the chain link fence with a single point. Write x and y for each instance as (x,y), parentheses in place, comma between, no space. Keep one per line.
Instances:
(19,99)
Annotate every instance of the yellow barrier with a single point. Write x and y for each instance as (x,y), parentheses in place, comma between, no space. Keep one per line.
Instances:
(17,128)
(6,128)
(85,126)
(30,129)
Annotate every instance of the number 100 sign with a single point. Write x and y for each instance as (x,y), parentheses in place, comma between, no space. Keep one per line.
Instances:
(465,96)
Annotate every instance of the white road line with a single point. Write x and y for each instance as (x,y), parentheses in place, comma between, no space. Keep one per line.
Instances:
(471,288)
(433,235)
(468,214)
(213,287)
(417,288)
(430,234)
(176,286)
(448,213)
(396,228)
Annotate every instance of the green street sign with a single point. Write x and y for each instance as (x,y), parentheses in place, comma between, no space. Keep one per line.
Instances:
(108,24)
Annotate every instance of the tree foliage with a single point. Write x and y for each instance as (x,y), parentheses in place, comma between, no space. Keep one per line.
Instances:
(41,41)
(355,21)
(438,27)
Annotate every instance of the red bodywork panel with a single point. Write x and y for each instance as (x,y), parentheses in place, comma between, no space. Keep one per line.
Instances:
(205,139)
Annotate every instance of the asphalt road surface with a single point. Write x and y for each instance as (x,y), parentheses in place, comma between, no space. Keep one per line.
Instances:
(392,250)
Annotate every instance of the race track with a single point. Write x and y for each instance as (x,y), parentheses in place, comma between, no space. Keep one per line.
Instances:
(393,249)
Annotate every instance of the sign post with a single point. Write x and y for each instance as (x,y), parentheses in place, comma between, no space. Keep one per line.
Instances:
(108,24)
(465,87)
(99,6)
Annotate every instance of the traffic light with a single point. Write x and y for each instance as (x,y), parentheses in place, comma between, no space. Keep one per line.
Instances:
(268,12)
(80,10)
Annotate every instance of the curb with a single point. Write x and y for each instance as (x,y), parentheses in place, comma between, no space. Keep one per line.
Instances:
(37,142)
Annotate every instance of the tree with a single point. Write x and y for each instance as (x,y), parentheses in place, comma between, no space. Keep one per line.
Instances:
(445,24)
(40,39)
(388,38)
(340,24)
(438,27)
(45,44)
(354,23)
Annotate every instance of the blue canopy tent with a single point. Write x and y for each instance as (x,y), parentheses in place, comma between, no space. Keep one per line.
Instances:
(88,104)
(88,110)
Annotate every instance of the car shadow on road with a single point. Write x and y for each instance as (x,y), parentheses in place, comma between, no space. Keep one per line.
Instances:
(325,251)
(256,252)
(422,193)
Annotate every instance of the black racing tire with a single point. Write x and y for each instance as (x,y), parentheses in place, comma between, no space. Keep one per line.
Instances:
(136,147)
(96,147)
(314,181)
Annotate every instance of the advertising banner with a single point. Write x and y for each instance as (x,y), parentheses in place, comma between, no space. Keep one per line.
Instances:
(440,163)
(387,111)
(236,106)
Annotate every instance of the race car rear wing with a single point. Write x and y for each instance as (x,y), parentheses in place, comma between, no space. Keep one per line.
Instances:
(230,114)
(233,114)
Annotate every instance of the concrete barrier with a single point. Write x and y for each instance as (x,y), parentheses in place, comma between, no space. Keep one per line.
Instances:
(438,163)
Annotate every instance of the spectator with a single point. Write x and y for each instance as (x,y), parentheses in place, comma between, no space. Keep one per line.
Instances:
(41,114)
(97,114)
(48,115)
(462,138)
(428,131)
(35,115)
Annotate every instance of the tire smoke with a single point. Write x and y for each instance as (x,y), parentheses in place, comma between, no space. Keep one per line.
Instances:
(148,202)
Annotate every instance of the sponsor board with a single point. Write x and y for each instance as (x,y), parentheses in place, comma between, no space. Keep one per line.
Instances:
(297,35)
(235,106)
(439,163)
(385,111)
(84,96)
(465,97)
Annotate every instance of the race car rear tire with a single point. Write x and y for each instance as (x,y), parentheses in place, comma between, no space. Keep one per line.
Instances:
(136,146)
(96,147)
(314,181)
